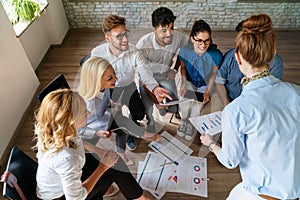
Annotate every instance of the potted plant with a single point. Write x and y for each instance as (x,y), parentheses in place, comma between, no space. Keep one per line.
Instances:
(21,10)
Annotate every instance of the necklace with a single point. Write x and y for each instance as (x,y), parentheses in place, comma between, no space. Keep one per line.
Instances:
(246,80)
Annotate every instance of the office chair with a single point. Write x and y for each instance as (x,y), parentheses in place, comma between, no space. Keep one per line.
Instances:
(84,59)
(19,177)
(57,83)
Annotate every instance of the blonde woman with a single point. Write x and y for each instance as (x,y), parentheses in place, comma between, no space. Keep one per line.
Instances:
(261,127)
(64,170)
(96,79)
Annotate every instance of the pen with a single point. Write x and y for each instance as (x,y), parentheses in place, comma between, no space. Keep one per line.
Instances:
(116,129)
(168,163)
(206,179)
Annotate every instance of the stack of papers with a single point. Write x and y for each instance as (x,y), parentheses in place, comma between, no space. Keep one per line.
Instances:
(208,124)
(171,169)
(158,176)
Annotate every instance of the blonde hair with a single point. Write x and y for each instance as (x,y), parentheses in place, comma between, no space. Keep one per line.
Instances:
(55,120)
(90,77)
(256,42)
(112,21)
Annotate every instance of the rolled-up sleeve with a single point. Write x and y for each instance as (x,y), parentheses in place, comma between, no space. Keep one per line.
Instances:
(144,71)
(232,141)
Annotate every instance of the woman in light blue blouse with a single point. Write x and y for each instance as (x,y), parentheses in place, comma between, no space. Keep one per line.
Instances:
(261,127)
(97,77)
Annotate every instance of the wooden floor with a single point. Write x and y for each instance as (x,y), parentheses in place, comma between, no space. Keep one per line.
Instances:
(77,43)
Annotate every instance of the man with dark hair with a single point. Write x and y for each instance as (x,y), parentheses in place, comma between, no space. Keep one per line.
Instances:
(126,61)
(228,81)
(160,47)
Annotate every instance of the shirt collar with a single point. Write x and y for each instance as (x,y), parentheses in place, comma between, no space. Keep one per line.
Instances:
(100,95)
(262,82)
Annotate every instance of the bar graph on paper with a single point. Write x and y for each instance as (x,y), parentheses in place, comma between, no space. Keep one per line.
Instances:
(210,123)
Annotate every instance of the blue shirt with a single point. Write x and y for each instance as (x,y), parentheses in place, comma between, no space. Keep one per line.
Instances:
(199,68)
(230,74)
(100,114)
(261,134)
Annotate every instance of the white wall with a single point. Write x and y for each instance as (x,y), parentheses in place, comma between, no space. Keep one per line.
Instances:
(18,81)
(49,28)
(19,58)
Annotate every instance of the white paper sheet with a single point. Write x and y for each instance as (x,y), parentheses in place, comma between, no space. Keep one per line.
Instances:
(153,174)
(159,177)
(170,147)
(208,124)
(192,176)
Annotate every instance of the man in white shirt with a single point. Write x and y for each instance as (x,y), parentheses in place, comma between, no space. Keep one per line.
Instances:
(126,60)
(159,48)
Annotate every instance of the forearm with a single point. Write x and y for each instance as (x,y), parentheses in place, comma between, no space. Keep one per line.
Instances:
(91,181)
(92,148)
(215,148)
(212,79)
(223,94)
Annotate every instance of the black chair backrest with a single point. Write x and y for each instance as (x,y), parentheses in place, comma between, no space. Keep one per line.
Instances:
(57,83)
(84,59)
(24,169)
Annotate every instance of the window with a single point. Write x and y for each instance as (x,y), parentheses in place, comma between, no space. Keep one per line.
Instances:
(22,12)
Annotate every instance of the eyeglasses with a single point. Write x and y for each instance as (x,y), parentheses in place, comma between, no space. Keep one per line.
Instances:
(120,36)
(201,42)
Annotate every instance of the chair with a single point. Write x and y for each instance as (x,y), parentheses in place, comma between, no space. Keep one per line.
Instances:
(20,173)
(57,83)
(84,59)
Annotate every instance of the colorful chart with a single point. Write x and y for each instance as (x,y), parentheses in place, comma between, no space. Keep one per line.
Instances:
(197,180)
(197,168)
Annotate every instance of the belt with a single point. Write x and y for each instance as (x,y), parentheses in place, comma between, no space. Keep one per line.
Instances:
(269,197)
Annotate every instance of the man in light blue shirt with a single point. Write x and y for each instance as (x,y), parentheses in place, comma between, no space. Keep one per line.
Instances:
(228,81)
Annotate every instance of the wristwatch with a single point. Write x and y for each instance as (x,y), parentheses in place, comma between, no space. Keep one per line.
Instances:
(209,145)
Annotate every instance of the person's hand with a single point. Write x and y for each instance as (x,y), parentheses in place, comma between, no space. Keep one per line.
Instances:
(118,106)
(206,97)
(103,134)
(206,139)
(109,158)
(161,93)
(152,136)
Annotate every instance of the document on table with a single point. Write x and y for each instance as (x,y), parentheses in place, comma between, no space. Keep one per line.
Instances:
(210,123)
(190,177)
(153,173)
(170,147)
(158,176)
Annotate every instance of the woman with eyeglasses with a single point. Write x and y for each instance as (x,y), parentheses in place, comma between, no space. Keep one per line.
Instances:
(199,61)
